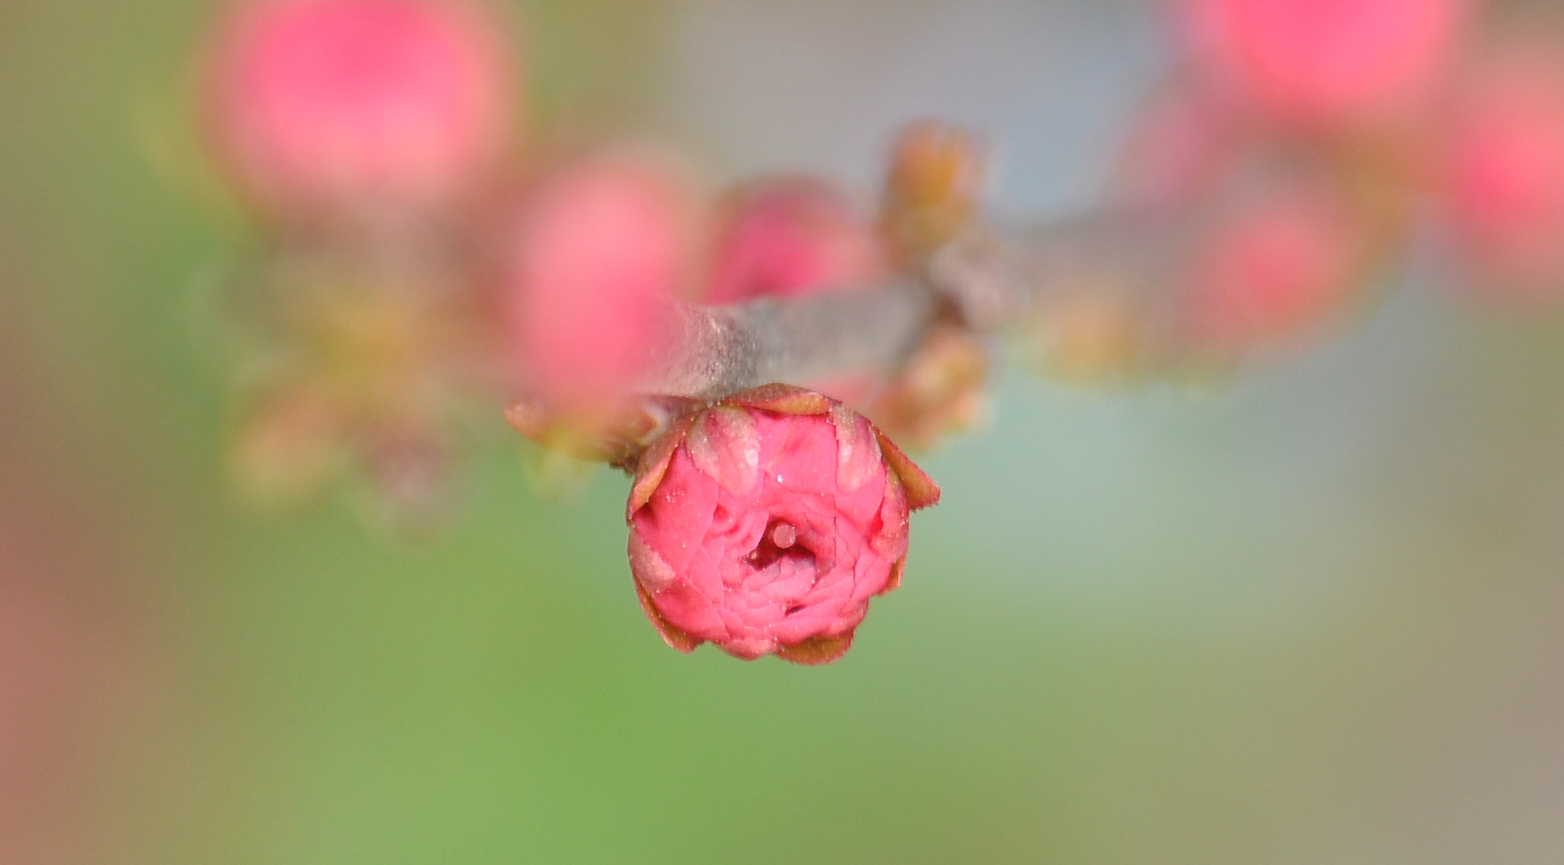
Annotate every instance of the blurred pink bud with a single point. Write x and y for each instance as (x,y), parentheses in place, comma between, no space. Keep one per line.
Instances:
(597,252)
(353,103)
(789,236)
(1505,173)
(765,523)
(1273,269)
(1179,145)
(1327,61)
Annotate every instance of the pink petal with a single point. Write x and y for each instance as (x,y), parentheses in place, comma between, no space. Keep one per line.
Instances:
(725,445)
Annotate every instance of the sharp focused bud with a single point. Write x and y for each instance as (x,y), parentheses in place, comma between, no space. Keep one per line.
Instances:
(765,523)
(356,104)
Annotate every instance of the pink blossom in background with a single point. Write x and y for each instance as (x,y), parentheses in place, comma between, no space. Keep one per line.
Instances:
(1180,144)
(766,523)
(789,236)
(353,103)
(1504,177)
(597,251)
(1275,267)
(1327,62)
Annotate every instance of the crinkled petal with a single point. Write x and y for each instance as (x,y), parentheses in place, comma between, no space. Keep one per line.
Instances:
(653,466)
(858,458)
(651,570)
(671,635)
(768,532)
(725,445)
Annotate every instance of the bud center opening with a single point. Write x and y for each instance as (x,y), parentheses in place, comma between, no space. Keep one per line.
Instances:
(779,541)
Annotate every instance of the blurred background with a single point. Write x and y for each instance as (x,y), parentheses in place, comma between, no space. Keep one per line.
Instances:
(1311,616)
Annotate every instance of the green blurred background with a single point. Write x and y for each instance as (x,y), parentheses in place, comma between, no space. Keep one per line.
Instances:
(1312,618)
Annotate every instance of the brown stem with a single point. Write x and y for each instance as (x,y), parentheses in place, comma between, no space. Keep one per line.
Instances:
(989,279)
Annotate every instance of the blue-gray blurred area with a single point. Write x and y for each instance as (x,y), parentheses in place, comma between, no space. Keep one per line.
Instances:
(1315,615)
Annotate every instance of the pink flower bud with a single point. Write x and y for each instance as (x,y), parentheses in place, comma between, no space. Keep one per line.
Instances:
(1504,176)
(788,236)
(1272,269)
(765,523)
(598,250)
(1326,61)
(1179,146)
(358,103)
